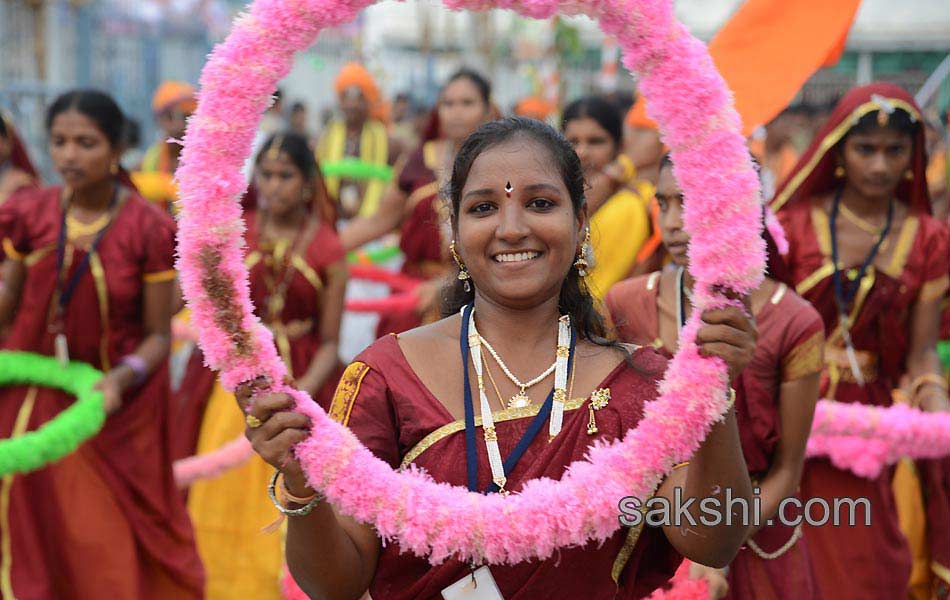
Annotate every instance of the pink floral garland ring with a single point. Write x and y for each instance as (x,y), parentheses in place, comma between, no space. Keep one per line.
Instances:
(865,439)
(238,451)
(212,464)
(685,94)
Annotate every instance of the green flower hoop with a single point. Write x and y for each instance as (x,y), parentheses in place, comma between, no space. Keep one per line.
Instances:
(352,168)
(61,436)
(374,256)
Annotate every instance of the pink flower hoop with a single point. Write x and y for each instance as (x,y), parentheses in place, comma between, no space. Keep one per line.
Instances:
(685,95)
(865,439)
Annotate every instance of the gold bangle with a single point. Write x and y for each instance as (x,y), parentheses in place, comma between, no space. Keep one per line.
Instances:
(307,504)
(732,399)
(926,378)
(287,496)
(10,250)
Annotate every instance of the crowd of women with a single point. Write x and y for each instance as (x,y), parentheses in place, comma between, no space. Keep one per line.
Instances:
(511,232)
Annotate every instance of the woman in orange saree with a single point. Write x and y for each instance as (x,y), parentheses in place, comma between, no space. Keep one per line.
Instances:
(866,253)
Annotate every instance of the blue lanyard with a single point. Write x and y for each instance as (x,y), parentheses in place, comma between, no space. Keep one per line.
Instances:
(65,293)
(844,297)
(471,453)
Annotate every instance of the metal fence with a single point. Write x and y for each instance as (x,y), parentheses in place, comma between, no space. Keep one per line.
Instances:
(49,47)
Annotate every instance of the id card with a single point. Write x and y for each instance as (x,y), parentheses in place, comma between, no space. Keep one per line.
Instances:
(479,585)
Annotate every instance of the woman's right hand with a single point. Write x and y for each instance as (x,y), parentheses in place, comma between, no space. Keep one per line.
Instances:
(279,430)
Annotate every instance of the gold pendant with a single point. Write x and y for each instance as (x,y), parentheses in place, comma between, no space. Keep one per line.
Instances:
(500,482)
(519,400)
(591,421)
(61,349)
(598,400)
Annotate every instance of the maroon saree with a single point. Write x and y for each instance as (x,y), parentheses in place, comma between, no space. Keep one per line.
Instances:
(392,412)
(106,521)
(791,335)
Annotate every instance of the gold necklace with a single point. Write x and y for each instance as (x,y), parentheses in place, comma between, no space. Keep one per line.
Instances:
(521,398)
(78,229)
(859,221)
(491,378)
(862,224)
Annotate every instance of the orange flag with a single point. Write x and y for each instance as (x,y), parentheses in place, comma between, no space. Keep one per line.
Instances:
(769,48)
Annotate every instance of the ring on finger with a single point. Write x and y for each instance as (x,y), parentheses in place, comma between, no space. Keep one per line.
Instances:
(252,421)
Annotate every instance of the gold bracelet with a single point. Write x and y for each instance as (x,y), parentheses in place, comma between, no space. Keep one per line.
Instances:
(287,496)
(307,504)
(732,398)
(926,378)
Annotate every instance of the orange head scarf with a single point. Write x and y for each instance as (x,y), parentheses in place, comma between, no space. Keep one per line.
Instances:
(174,94)
(353,74)
(637,116)
(535,107)
(815,172)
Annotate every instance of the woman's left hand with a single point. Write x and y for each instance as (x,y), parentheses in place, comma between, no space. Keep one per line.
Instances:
(729,333)
(112,385)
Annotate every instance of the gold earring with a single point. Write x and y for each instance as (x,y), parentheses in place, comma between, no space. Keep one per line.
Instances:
(463,275)
(839,172)
(581,263)
(114,169)
(909,175)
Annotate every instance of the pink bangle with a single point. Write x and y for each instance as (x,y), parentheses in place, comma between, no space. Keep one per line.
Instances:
(138,366)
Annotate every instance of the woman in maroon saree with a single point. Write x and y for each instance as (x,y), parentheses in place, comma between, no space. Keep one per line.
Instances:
(860,191)
(519,220)
(775,397)
(414,204)
(106,521)
(298,280)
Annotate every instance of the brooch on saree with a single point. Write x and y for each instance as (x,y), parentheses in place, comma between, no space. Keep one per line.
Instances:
(598,400)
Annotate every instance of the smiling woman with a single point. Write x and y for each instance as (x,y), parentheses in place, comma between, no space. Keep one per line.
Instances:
(518,216)
(490,233)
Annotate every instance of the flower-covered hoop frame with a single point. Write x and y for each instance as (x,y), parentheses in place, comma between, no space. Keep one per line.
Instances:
(685,95)
(29,451)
